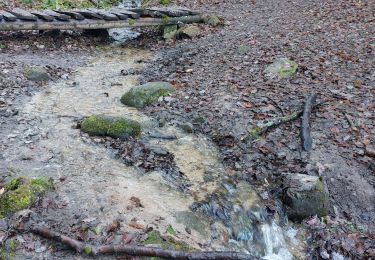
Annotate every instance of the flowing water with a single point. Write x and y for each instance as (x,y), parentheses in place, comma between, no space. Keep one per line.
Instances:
(220,214)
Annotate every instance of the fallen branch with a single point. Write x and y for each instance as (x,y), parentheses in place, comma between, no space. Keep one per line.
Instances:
(254,133)
(88,249)
(305,128)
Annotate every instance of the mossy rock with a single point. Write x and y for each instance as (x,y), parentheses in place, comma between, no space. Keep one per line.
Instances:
(170,32)
(21,193)
(116,127)
(143,95)
(154,238)
(281,68)
(305,196)
(213,20)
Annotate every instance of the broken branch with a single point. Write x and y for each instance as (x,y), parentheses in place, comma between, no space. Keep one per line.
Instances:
(134,250)
(305,128)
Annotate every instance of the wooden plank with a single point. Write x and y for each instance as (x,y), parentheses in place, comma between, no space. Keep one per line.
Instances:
(23,14)
(74,15)
(127,12)
(119,15)
(89,14)
(106,15)
(43,16)
(8,16)
(58,16)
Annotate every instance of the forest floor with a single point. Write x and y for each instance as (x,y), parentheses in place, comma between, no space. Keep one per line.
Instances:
(223,92)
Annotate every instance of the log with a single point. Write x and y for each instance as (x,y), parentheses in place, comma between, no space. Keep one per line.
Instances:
(94,24)
(58,16)
(119,15)
(305,128)
(106,15)
(74,15)
(171,12)
(92,250)
(23,15)
(131,14)
(8,16)
(89,14)
(43,16)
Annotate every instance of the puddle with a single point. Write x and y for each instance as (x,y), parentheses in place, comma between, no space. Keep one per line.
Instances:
(217,213)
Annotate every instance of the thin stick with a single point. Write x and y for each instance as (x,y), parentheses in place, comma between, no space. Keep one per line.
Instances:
(135,250)
(305,128)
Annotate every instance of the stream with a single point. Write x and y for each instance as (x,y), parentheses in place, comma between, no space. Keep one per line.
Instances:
(221,215)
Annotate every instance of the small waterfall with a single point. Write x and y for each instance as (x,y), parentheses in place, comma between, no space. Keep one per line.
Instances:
(130,3)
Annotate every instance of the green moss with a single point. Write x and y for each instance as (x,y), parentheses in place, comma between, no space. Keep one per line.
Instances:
(243,49)
(290,70)
(87,250)
(165,19)
(131,22)
(170,31)
(115,127)
(154,238)
(21,193)
(143,95)
(164,2)
(170,230)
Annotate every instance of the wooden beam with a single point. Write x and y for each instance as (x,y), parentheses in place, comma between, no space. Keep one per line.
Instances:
(106,15)
(95,24)
(130,14)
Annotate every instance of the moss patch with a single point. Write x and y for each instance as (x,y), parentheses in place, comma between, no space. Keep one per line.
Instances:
(116,127)
(281,68)
(143,95)
(154,238)
(21,193)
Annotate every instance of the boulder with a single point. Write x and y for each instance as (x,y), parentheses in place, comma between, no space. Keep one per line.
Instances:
(116,127)
(281,68)
(305,196)
(21,193)
(143,95)
(37,74)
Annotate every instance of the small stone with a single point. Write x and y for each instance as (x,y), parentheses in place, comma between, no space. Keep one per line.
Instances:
(190,31)
(37,74)
(214,21)
(187,127)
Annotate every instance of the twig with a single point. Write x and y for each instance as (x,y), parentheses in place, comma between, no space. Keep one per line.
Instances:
(276,105)
(305,128)
(350,121)
(134,250)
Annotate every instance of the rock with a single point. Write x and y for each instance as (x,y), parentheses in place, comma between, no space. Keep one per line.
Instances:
(190,31)
(116,127)
(281,68)
(22,193)
(187,127)
(213,20)
(170,32)
(143,95)
(37,74)
(305,196)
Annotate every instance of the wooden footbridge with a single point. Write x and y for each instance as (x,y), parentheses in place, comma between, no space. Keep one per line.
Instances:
(19,19)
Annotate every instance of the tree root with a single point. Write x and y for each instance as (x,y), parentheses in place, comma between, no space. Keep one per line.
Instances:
(305,128)
(88,249)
